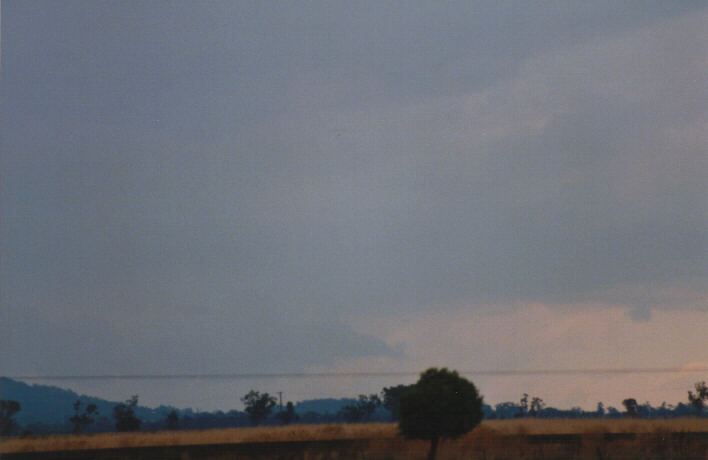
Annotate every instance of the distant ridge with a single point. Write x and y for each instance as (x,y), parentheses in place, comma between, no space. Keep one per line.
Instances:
(53,405)
(323,406)
(50,404)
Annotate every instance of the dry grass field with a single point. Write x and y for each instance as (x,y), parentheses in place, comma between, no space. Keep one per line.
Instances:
(494,439)
(197,437)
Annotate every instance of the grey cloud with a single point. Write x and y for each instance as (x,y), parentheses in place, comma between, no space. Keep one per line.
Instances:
(156,339)
(262,171)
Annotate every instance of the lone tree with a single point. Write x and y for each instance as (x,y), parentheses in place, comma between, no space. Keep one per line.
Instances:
(440,405)
(83,419)
(172,421)
(632,407)
(8,408)
(701,395)
(258,406)
(523,406)
(536,406)
(124,413)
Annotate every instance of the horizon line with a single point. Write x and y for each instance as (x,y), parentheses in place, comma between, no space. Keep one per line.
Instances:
(298,375)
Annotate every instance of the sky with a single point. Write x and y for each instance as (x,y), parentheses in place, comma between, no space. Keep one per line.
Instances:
(272,187)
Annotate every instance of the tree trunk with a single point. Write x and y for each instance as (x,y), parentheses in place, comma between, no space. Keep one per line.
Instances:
(433,448)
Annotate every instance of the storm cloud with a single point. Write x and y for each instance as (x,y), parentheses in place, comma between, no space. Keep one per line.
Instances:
(228,187)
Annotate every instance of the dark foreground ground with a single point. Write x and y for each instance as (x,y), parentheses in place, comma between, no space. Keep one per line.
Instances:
(598,446)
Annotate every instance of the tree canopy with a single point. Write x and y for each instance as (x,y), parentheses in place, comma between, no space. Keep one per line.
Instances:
(124,413)
(362,409)
(258,406)
(442,404)
(392,399)
(701,395)
(8,408)
(172,420)
(82,420)
(632,407)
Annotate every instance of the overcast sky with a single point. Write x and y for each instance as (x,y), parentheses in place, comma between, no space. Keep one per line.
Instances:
(250,187)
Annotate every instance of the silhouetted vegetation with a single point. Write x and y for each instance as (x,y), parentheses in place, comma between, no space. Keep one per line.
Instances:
(631,406)
(523,405)
(440,405)
(362,410)
(81,420)
(536,406)
(258,406)
(8,409)
(172,421)
(48,409)
(124,413)
(288,415)
(533,409)
(56,413)
(697,399)
(392,398)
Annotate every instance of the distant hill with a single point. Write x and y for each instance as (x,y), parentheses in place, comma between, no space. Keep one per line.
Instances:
(323,406)
(47,409)
(50,404)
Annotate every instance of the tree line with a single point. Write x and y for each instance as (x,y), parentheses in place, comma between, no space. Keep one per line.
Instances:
(263,409)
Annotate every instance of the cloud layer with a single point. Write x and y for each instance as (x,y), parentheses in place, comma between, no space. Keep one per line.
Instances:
(229,187)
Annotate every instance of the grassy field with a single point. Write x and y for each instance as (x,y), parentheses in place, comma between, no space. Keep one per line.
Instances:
(493,439)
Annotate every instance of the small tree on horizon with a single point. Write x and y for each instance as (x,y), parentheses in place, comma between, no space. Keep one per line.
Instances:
(258,406)
(8,408)
(697,399)
(124,413)
(600,409)
(172,420)
(288,415)
(440,405)
(360,410)
(536,406)
(82,420)
(630,404)
(523,405)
